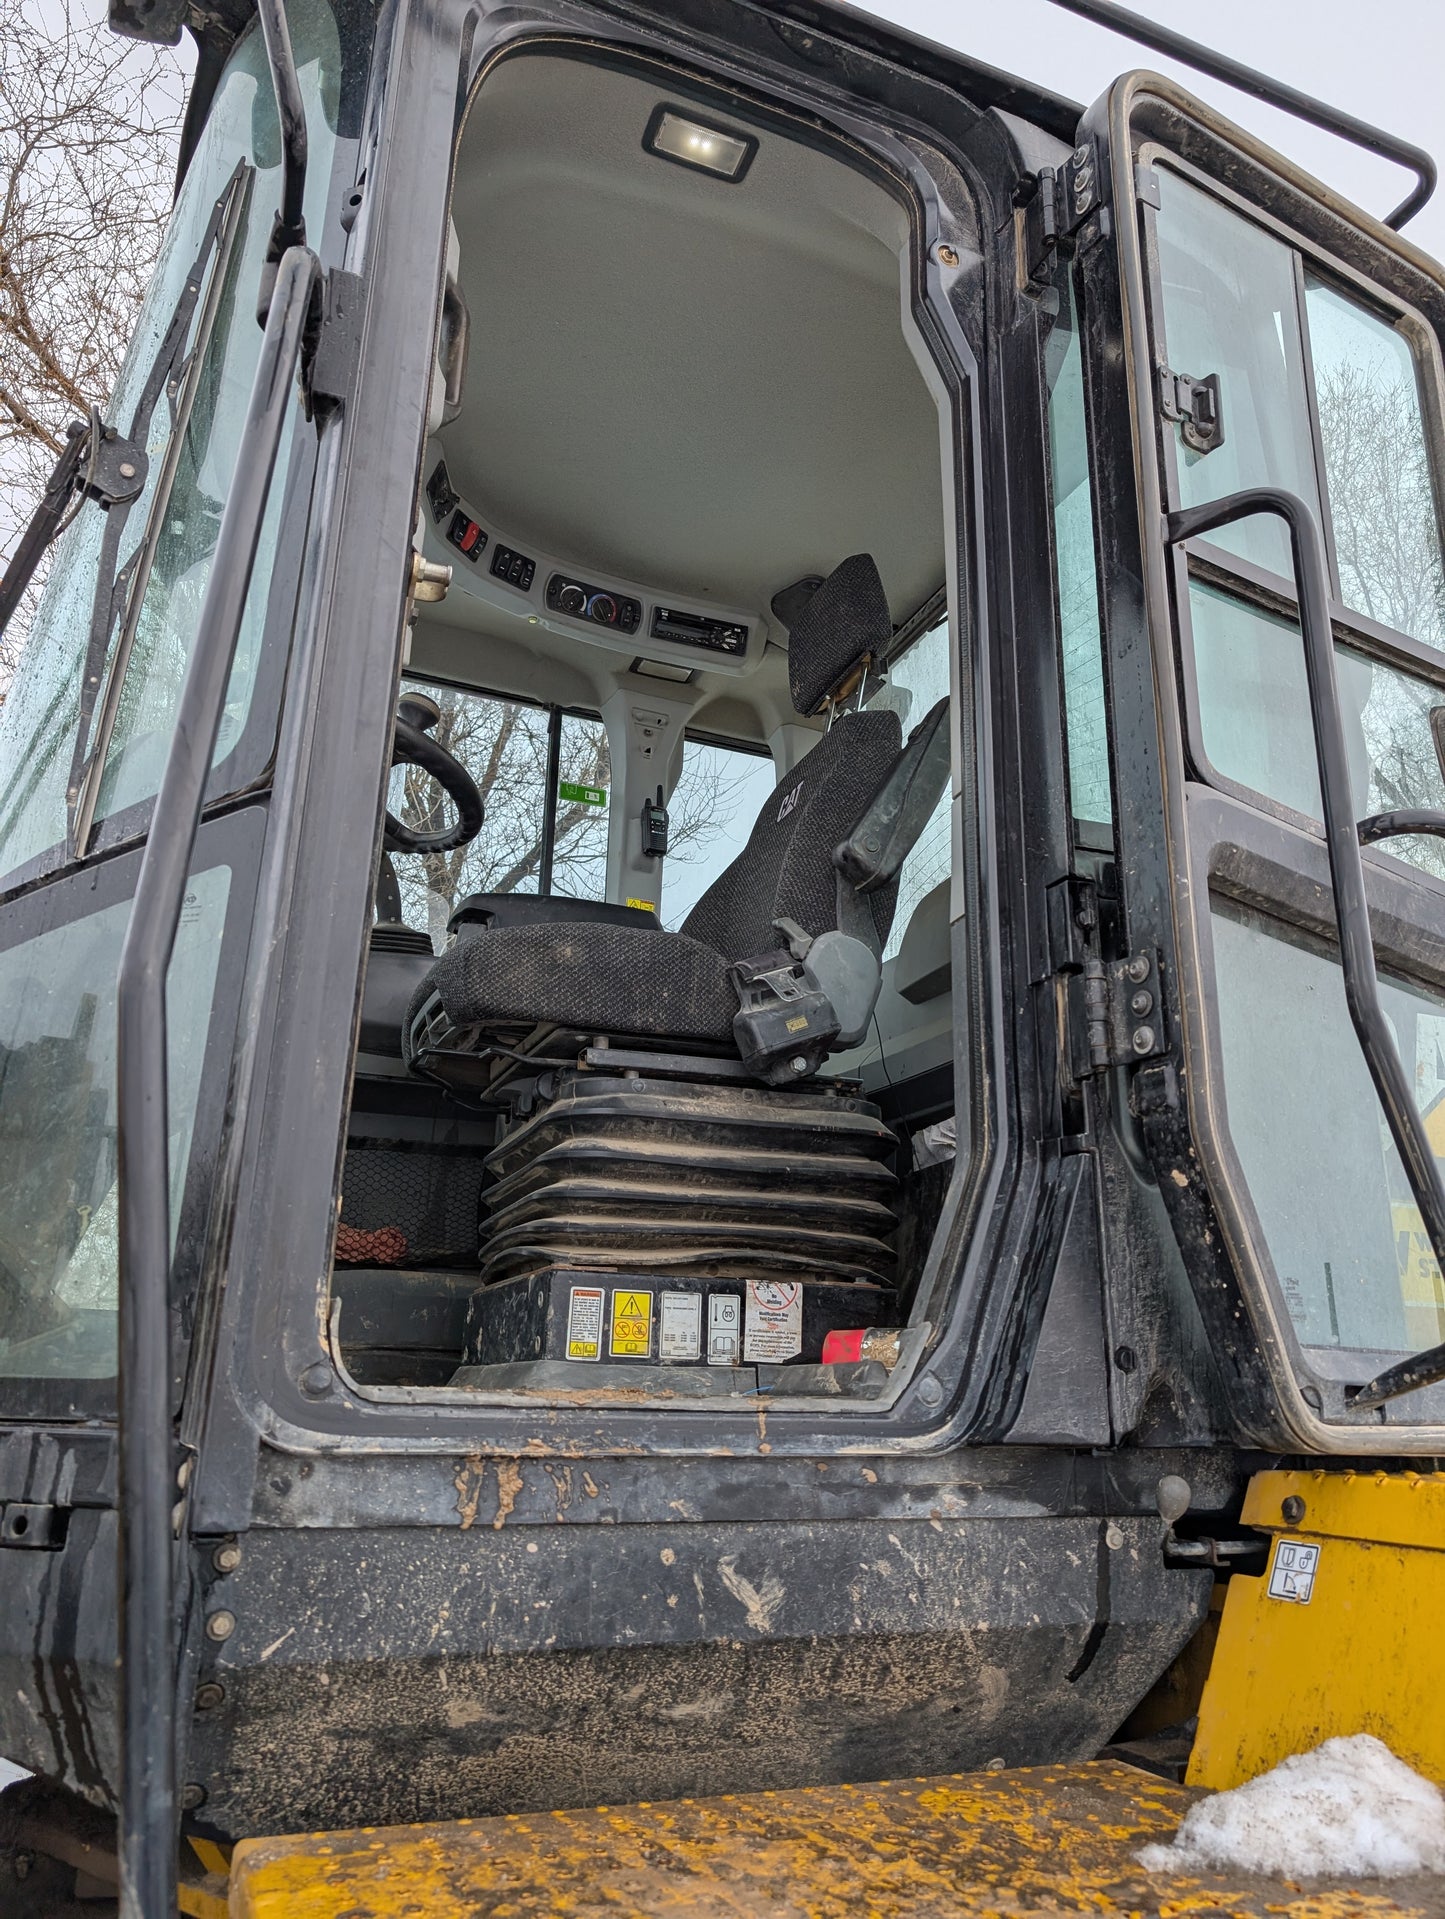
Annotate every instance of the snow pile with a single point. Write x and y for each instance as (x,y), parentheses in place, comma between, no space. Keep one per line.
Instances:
(1349,1809)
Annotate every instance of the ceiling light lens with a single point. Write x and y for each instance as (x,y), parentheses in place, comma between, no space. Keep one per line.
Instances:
(710,148)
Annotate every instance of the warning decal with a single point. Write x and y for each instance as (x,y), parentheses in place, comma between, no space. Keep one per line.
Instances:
(631,1325)
(773,1328)
(679,1326)
(724,1329)
(584,1323)
(1292,1571)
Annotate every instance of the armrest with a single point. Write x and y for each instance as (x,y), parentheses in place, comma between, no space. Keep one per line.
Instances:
(898,812)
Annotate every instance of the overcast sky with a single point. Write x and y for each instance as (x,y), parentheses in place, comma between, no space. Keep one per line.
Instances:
(1383,61)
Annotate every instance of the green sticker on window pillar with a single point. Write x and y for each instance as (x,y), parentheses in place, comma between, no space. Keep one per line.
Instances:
(582,795)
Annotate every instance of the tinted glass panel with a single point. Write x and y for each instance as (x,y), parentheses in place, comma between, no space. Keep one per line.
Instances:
(712,809)
(584,782)
(58,1220)
(1229,308)
(1255,719)
(1078,584)
(503,745)
(37,728)
(1387,540)
(1343,1231)
(916,681)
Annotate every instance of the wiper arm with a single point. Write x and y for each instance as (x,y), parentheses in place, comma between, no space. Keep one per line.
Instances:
(94,464)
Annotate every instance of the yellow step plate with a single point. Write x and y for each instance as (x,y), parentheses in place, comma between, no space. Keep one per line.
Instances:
(1057,1838)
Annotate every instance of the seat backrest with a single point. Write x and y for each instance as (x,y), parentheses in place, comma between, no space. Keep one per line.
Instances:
(786,869)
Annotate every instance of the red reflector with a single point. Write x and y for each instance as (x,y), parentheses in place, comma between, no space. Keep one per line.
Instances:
(841,1348)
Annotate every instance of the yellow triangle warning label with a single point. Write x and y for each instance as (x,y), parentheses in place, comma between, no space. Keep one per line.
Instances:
(631,1325)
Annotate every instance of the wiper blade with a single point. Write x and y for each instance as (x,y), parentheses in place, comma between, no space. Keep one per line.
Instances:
(114,590)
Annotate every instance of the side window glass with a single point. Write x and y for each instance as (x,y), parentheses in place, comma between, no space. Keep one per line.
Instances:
(712,809)
(1085,709)
(1228,292)
(1377,467)
(917,680)
(544,778)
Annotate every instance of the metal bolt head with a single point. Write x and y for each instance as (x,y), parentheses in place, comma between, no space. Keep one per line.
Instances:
(316,1380)
(220,1625)
(1141,1002)
(930,1389)
(1113,1536)
(1125,1358)
(227,1556)
(1138,968)
(191,1795)
(1172,1496)
(210,1696)
(127,470)
(1292,1509)
(798,1063)
(997,1765)
(945,255)
(1143,1039)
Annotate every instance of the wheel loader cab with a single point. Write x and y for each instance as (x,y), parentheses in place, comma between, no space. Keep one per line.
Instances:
(644,1040)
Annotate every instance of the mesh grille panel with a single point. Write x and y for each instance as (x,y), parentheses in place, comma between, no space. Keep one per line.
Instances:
(426,1194)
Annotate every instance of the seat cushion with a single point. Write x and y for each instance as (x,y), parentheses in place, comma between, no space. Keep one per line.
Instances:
(608,979)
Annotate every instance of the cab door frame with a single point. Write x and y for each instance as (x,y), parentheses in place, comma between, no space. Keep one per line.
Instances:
(1172,828)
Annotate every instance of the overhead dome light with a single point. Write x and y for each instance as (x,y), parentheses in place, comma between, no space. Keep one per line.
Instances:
(672,136)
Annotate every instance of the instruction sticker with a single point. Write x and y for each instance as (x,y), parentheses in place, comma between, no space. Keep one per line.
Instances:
(724,1329)
(773,1328)
(631,1325)
(584,1322)
(1292,1571)
(581,795)
(644,906)
(679,1326)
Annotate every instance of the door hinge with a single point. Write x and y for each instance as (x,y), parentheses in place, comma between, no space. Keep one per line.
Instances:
(1111,1015)
(1052,207)
(1196,405)
(331,355)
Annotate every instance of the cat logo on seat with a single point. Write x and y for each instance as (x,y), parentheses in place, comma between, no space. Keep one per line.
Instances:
(790,803)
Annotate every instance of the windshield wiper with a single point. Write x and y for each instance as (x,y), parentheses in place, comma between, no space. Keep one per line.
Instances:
(94,464)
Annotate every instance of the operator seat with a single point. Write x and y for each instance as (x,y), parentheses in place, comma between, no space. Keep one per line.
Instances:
(811,867)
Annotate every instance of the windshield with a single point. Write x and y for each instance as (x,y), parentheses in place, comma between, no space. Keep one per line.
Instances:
(120,656)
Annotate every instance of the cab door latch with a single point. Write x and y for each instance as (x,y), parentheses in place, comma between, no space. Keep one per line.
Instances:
(1196,406)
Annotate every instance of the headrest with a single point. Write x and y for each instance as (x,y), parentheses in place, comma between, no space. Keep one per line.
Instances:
(845,622)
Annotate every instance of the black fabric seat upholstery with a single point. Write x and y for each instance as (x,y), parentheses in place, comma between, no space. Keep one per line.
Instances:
(642,983)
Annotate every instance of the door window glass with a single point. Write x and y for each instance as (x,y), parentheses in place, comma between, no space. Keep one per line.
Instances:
(711,813)
(1078,582)
(1255,719)
(178,526)
(1228,292)
(1382,496)
(59,1259)
(1343,1231)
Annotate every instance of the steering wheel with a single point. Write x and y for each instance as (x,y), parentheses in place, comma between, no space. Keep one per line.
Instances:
(412,745)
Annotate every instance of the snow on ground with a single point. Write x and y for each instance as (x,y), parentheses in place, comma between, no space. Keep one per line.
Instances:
(1349,1809)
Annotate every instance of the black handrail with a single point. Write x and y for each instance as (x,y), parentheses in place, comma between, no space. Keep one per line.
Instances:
(148,1459)
(1347,876)
(1275,93)
(290,228)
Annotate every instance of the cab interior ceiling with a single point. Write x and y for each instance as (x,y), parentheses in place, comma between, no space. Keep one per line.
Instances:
(707,387)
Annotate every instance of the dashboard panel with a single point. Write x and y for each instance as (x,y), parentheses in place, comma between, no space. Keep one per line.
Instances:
(494,566)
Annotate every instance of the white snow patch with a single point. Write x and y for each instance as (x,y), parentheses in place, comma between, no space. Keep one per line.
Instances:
(1349,1809)
(9,1773)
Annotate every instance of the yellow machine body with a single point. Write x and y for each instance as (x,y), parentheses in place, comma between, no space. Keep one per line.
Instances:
(1341,1634)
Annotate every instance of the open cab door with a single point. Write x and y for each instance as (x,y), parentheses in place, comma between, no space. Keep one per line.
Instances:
(1275,655)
